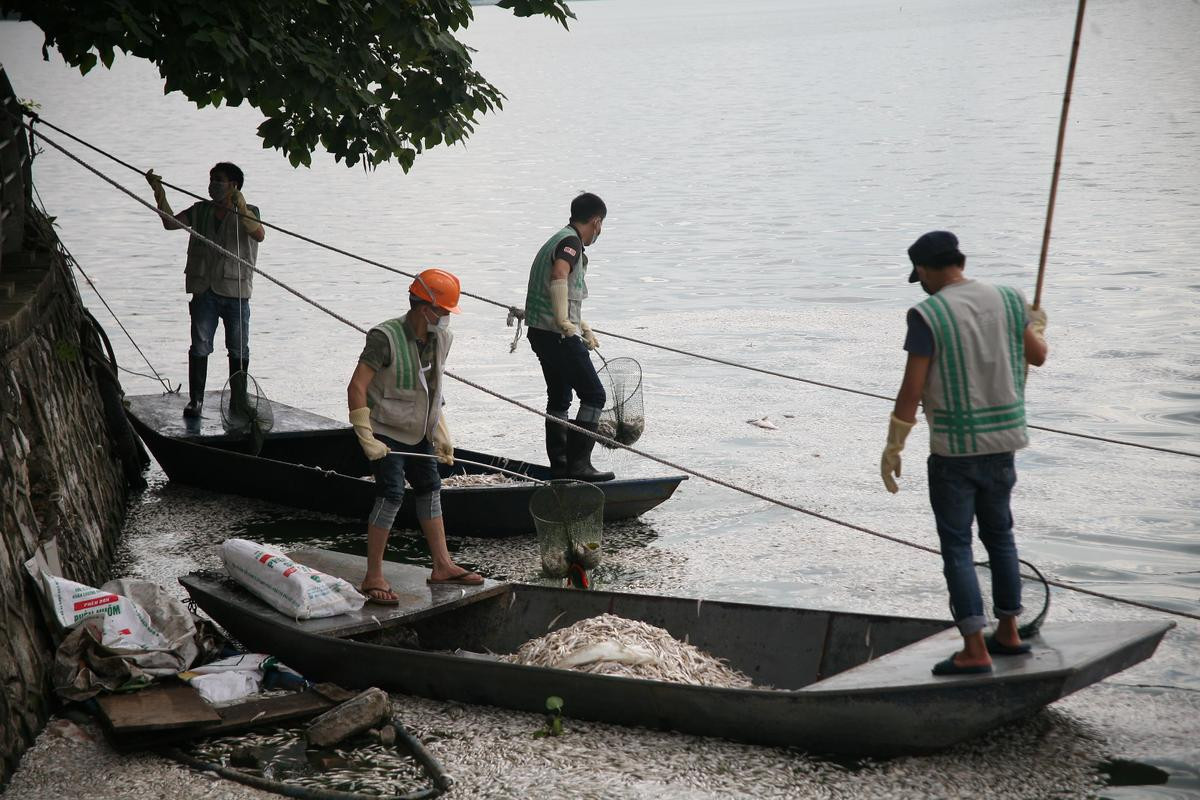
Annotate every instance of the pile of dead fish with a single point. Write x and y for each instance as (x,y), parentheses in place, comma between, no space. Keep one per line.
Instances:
(612,645)
(489,479)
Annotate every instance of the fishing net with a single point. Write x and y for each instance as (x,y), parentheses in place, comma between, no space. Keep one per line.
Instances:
(246,410)
(569,517)
(1035,594)
(624,418)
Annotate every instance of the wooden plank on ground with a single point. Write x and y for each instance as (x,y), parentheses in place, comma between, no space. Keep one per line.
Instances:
(159,707)
(235,718)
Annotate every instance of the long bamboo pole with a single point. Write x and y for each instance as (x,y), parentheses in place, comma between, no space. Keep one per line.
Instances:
(1062,133)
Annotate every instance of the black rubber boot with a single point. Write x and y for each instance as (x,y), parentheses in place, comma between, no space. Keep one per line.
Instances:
(239,403)
(579,455)
(197,376)
(556,449)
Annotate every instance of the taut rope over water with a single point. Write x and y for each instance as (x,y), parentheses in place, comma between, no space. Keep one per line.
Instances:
(571,426)
(517,315)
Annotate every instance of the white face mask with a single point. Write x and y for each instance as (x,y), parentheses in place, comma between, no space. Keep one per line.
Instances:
(218,189)
(442,323)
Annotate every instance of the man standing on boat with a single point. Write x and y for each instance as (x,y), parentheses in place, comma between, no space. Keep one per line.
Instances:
(395,399)
(561,339)
(220,286)
(968,345)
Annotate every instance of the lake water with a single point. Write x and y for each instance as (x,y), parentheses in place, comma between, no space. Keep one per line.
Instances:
(765,164)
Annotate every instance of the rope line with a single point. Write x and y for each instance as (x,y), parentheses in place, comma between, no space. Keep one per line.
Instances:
(67,253)
(798,379)
(517,314)
(597,437)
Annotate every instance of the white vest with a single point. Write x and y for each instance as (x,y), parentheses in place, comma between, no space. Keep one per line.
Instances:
(406,399)
(974,396)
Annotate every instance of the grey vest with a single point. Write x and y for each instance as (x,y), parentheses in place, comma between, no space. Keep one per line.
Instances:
(208,268)
(974,395)
(405,399)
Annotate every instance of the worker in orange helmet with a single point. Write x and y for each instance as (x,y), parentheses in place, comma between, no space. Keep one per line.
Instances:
(396,408)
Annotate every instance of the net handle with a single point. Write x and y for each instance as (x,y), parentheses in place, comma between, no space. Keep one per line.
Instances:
(458,460)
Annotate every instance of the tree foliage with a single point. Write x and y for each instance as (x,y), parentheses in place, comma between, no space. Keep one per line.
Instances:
(367,81)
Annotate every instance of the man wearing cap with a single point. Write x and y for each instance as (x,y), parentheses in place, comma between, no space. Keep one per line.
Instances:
(553,308)
(395,399)
(220,286)
(968,345)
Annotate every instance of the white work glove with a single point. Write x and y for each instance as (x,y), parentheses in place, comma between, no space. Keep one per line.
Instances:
(374,449)
(558,301)
(443,445)
(1037,320)
(589,338)
(249,222)
(890,463)
(160,196)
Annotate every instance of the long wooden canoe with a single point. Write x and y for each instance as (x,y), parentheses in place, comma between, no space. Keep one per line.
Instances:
(314,462)
(840,682)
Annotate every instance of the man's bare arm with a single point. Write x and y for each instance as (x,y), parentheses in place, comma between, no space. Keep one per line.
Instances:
(911,387)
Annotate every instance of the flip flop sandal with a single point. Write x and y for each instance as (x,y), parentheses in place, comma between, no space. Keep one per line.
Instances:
(998,648)
(466,578)
(948,667)
(379,601)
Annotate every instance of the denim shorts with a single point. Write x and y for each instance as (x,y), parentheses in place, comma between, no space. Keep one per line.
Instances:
(390,471)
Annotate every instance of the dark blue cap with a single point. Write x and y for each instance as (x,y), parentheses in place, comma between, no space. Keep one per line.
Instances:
(934,249)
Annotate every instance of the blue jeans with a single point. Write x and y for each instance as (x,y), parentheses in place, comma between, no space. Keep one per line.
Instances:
(566,366)
(962,488)
(206,308)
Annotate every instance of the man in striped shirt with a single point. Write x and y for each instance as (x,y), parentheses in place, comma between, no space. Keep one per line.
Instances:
(968,345)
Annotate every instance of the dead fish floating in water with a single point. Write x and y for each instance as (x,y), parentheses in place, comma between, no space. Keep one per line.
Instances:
(763,423)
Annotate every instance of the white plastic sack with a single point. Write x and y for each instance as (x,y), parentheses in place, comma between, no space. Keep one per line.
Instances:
(288,587)
(222,687)
(127,626)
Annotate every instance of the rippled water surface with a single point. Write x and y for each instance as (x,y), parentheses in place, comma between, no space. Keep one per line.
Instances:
(766,164)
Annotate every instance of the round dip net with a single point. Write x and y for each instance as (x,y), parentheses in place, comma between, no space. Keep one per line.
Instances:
(624,418)
(245,410)
(569,517)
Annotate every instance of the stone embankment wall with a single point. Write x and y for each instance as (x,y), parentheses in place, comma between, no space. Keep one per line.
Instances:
(59,474)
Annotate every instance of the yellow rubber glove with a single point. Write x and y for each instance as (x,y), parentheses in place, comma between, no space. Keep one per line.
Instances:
(160,196)
(589,338)
(249,222)
(443,445)
(890,463)
(1037,320)
(374,449)
(558,301)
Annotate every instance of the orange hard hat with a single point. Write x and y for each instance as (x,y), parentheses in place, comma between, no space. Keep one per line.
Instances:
(438,287)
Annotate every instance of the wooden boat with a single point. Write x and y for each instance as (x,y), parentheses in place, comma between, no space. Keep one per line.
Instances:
(843,683)
(314,462)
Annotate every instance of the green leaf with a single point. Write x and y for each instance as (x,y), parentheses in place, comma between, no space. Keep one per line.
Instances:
(86,62)
(554,703)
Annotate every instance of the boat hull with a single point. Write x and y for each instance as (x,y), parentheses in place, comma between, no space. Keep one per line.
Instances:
(849,684)
(315,463)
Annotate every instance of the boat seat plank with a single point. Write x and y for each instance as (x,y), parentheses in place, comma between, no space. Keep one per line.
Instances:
(1059,648)
(164,413)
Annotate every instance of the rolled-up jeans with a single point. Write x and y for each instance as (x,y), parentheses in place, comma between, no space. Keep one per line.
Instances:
(206,308)
(963,488)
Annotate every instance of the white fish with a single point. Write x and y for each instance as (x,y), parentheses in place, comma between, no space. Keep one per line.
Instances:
(763,423)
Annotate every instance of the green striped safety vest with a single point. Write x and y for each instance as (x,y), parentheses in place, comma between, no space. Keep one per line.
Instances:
(539,312)
(406,399)
(974,395)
